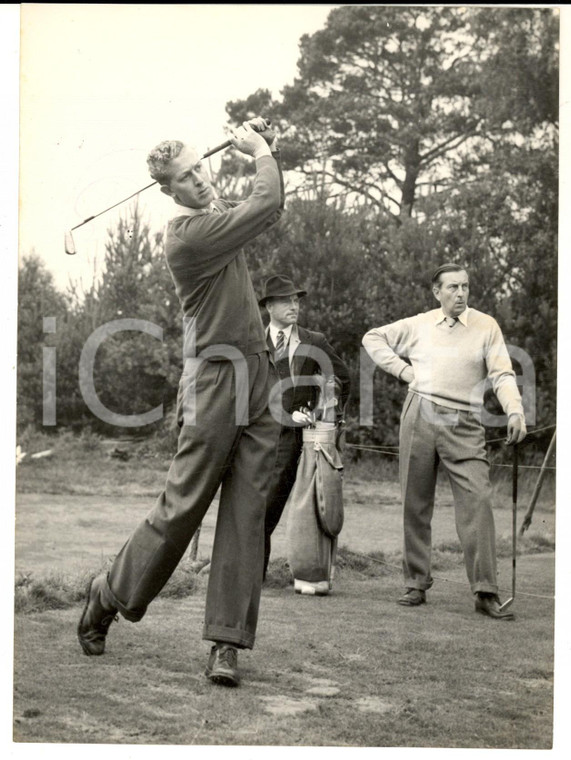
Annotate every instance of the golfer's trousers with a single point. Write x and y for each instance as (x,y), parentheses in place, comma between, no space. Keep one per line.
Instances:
(283,477)
(431,434)
(211,453)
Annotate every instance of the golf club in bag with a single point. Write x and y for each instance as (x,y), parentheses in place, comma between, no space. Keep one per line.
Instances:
(70,248)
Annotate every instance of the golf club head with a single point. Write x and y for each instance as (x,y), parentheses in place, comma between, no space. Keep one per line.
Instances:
(69,244)
(525,525)
(506,605)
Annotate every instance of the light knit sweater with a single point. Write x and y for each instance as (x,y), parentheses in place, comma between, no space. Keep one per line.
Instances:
(451,364)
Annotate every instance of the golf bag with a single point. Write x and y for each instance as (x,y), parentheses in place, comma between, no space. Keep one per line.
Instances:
(315,511)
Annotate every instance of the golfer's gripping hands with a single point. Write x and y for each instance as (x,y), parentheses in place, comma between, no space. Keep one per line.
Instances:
(253,143)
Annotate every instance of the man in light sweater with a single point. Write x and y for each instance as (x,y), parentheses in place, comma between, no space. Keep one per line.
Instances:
(446,355)
(220,444)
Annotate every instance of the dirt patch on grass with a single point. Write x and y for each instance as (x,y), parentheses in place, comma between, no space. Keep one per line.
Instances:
(322,673)
(374,705)
(323,687)
(286,706)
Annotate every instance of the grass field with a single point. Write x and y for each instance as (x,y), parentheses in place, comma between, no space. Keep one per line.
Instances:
(349,670)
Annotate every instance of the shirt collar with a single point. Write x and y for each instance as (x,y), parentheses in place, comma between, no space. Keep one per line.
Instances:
(275,330)
(440,316)
(186,211)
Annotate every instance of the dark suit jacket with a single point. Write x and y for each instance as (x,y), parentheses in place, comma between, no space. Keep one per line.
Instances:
(307,360)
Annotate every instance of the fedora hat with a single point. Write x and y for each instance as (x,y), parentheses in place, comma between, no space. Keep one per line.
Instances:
(279,286)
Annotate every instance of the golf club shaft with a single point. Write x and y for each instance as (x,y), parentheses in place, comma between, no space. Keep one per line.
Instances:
(152,184)
(509,601)
(222,146)
(128,198)
(228,143)
(514,513)
(208,153)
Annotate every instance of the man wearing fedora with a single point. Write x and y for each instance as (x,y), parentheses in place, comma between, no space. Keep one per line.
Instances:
(222,443)
(299,355)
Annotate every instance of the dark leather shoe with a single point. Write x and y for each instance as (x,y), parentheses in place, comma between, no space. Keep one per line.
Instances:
(489,604)
(413,597)
(222,665)
(95,620)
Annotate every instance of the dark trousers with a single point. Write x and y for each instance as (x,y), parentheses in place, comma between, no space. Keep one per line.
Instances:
(282,480)
(211,453)
(430,434)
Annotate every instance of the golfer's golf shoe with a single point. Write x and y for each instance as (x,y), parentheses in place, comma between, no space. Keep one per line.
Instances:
(95,620)
(412,597)
(222,665)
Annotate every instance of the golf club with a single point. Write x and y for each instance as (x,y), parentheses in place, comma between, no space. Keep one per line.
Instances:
(70,248)
(536,491)
(509,601)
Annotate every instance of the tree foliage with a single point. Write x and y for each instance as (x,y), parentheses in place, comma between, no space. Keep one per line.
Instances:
(390,102)
(441,123)
(412,136)
(38,298)
(133,371)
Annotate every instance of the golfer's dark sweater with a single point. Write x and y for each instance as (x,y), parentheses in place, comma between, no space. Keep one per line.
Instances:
(209,269)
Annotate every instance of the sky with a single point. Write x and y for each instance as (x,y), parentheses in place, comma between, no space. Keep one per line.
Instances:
(102,84)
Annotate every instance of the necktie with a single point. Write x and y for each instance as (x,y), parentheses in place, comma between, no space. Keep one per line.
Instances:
(280,345)
(451,321)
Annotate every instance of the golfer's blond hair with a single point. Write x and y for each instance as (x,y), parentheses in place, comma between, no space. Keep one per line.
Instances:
(160,157)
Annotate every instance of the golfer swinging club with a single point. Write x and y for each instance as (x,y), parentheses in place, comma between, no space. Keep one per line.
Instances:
(216,447)
(450,352)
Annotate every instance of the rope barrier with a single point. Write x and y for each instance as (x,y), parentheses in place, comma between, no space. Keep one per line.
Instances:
(372,448)
(526,466)
(529,432)
(434,577)
(396,454)
(385,450)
